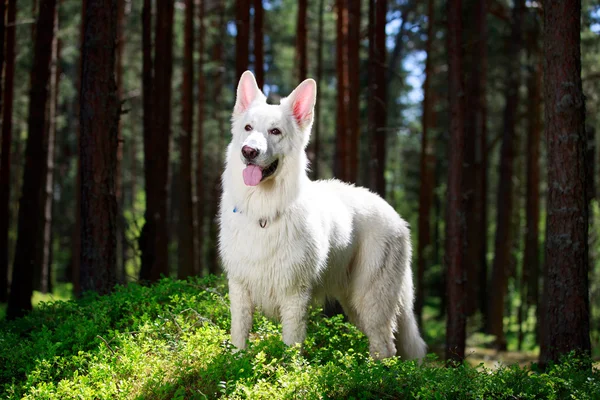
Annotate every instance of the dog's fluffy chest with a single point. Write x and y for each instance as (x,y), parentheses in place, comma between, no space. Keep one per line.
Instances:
(271,261)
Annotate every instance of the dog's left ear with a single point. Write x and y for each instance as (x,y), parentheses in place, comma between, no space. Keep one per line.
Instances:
(247,92)
(302,102)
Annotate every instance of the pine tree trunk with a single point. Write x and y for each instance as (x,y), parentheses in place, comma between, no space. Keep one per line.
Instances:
(186,206)
(5,155)
(99,141)
(301,41)
(146,240)
(531,261)
(48,190)
(315,144)
(426,178)
(212,254)
(503,242)
(200,187)
(456,319)
(566,308)
(76,240)
(259,53)
(340,169)
(481,163)
(354,88)
(30,217)
(377,107)
(242,23)
(155,239)
(121,22)
(2,47)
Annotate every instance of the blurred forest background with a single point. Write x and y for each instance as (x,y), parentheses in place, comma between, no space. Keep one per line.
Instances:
(382,121)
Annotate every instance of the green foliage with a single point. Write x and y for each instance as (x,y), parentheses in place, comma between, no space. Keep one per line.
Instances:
(170,341)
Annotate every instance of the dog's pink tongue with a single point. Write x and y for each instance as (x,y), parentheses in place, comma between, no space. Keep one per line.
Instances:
(252,175)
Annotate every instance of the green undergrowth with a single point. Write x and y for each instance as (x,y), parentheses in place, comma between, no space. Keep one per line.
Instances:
(170,341)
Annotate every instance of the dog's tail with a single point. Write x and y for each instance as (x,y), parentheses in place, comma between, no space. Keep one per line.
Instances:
(409,344)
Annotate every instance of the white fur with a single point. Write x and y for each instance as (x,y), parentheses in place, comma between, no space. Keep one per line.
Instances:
(321,239)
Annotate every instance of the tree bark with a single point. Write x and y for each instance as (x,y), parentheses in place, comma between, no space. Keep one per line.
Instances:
(531,261)
(120,48)
(259,53)
(5,155)
(456,318)
(186,207)
(475,43)
(503,242)
(76,240)
(212,254)
(200,196)
(353,88)
(99,141)
(427,177)
(315,145)
(2,44)
(566,306)
(481,160)
(242,23)
(33,178)
(301,41)
(342,155)
(155,239)
(44,280)
(146,240)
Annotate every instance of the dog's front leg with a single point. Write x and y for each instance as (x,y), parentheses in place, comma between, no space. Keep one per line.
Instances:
(293,318)
(242,310)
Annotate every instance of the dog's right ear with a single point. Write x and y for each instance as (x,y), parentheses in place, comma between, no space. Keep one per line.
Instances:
(247,92)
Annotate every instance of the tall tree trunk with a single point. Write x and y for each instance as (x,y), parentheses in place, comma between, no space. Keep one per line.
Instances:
(354,87)
(212,254)
(301,41)
(242,23)
(186,207)
(566,322)
(503,242)
(76,240)
(427,169)
(456,319)
(5,155)
(473,48)
(44,280)
(155,239)
(315,147)
(99,141)
(2,46)
(340,169)
(33,178)
(377,108)
(259,52)
(200,187)
(146,240)
(531,262)
(121,22)
(481,163)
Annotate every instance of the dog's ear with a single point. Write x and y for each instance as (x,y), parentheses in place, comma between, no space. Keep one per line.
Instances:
(302,101)
(247,92)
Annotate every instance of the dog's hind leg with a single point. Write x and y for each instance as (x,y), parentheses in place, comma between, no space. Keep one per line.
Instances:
(242,310)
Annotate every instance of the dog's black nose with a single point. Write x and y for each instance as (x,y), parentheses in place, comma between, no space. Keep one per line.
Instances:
(249,153)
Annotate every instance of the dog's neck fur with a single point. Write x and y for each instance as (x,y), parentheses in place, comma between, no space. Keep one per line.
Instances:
(270,198)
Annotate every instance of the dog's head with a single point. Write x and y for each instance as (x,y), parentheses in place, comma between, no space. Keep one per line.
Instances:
(264,134)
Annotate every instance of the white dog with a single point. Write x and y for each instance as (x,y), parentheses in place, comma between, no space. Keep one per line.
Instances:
(286,241)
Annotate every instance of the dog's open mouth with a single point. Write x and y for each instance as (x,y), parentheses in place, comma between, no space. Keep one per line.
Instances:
(254,174)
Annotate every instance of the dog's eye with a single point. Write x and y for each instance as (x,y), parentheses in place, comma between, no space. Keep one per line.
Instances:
(275,131)
(248,128)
